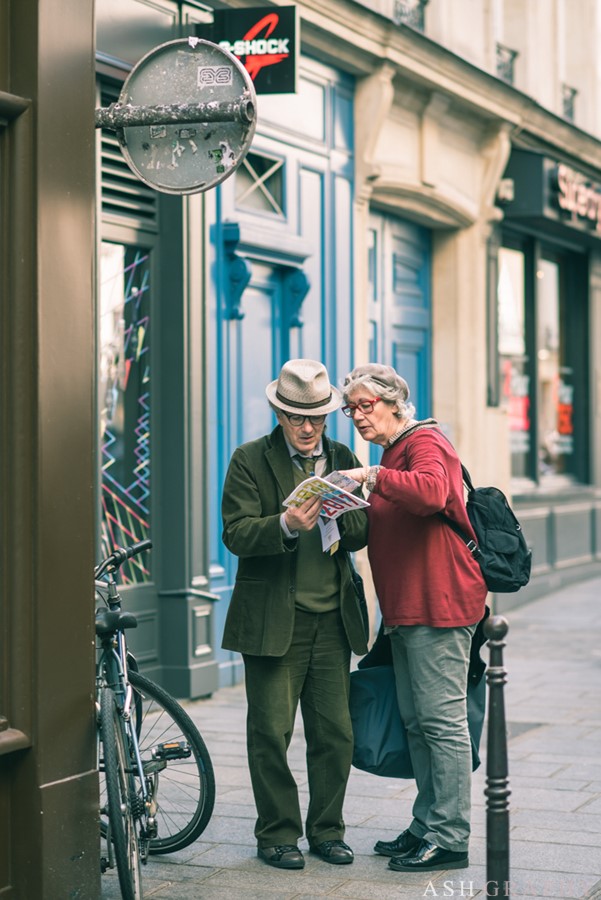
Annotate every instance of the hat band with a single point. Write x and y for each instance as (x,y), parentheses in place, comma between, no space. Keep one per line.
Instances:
(303,405)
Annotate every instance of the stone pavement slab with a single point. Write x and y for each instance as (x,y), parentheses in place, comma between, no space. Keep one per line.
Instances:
(552,701)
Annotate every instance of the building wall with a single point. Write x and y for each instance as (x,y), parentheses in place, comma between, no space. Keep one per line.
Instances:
(554,41)
(48,777)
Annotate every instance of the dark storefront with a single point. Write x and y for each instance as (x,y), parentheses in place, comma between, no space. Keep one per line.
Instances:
(548,256)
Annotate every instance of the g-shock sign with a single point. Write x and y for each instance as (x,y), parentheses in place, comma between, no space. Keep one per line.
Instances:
(264,40)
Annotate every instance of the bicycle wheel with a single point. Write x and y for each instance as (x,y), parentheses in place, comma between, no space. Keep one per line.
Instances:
(178,769)
(119,789)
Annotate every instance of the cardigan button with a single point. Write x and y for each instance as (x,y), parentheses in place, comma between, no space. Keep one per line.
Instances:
(292,589)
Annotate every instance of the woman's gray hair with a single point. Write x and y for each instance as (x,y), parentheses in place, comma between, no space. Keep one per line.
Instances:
(381,381)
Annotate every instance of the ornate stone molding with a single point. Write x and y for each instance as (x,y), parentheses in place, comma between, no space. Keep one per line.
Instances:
(429,206)
(496,150)
(374,96)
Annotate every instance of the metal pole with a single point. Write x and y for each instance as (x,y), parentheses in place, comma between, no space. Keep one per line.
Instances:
(116,116)
(497,791)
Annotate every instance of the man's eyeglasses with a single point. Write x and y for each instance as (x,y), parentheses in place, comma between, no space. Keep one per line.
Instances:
(365,407)
(297,421)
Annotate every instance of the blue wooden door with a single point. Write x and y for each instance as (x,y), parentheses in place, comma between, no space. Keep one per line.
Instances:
(399,303)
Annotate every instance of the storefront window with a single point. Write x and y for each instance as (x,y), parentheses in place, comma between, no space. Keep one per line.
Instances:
(515,374)
(542,362)
(555,377)
(124,403)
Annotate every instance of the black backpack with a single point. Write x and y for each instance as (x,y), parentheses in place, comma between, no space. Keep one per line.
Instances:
(501,551)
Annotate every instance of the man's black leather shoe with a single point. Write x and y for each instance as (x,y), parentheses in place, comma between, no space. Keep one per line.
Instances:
(405,843)
(336,852)
(282,856)
(428,857)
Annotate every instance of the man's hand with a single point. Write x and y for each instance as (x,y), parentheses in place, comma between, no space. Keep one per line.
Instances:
(304,517)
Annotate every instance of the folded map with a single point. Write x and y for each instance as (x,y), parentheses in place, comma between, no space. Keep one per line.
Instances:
(335,499)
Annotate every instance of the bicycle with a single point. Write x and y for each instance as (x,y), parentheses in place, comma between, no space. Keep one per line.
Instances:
(157,786)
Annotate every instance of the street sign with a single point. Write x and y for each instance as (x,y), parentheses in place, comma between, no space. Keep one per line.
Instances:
(185,117)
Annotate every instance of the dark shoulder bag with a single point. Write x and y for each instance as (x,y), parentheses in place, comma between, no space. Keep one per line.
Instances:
(380,738)
(359,590)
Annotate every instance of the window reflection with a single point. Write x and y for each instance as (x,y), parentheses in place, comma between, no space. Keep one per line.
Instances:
(555,383)
(124,401)
(515,377)
(538,361)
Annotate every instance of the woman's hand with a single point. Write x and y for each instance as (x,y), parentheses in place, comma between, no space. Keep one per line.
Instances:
(358,475)
(304,517)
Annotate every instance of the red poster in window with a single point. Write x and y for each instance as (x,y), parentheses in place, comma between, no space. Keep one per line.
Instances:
(515,393)
(565,424)
(519,409)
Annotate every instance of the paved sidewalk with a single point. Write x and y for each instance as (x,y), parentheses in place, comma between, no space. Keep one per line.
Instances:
(553,706)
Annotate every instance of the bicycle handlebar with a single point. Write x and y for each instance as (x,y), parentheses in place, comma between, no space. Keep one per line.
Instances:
(120,555)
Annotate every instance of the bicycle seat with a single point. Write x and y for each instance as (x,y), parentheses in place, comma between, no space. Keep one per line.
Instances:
(108,622)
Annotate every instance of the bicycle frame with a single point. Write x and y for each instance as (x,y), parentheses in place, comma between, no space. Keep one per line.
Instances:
(143,733)
(112,673)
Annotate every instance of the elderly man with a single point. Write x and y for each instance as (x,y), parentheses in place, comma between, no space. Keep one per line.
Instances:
(295,618)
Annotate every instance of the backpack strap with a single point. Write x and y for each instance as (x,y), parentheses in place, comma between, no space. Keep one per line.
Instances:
(469,542)
(467,478)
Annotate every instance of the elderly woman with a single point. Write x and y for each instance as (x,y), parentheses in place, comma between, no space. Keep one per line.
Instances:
(431,593)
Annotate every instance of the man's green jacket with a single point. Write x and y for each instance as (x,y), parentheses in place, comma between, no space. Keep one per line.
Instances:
(260,618)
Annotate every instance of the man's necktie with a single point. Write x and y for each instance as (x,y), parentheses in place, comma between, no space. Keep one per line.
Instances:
(307,464)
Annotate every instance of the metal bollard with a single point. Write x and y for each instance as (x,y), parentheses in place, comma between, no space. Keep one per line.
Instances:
(497,791)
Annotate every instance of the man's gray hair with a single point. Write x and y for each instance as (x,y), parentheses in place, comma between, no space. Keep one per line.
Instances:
(381,381)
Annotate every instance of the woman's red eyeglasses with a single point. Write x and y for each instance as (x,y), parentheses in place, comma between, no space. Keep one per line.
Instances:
(365,407)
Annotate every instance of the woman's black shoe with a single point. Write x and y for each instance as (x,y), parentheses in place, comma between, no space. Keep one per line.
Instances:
(428,857)
(405,843)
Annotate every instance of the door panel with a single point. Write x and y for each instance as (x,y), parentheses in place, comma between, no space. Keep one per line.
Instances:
(399,305)
(410,356)
(311,190)
(260,351)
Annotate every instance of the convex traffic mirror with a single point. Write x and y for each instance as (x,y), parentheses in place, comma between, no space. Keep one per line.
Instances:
(185,117)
